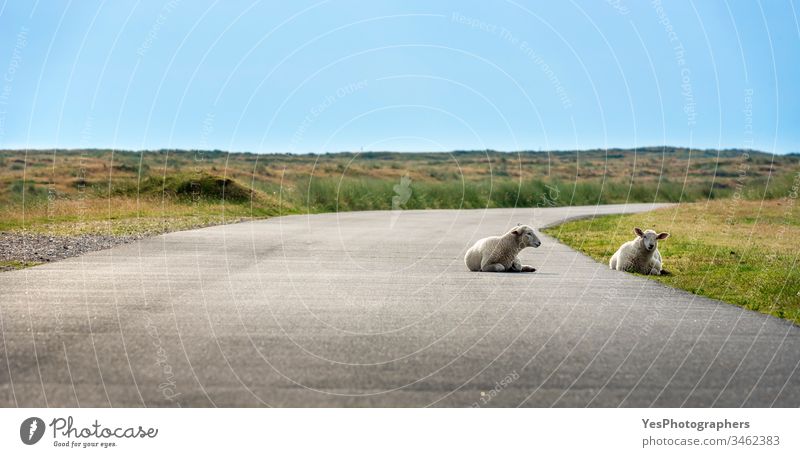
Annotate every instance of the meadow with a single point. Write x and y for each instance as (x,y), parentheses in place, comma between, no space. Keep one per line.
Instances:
(125,192)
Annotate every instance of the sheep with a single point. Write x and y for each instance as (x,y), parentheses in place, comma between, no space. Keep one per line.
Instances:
(640,255)
(499,253)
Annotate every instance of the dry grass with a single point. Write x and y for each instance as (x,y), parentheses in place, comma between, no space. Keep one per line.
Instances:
(123,216)
(126,192)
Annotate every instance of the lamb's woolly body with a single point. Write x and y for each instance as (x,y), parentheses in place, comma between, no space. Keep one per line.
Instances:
(633,256)
(488,253)
(497,249)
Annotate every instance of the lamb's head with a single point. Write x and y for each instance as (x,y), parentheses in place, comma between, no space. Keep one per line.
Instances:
(649,238)
(525,237)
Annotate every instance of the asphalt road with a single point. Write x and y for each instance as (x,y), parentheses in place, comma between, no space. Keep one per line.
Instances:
(376,309)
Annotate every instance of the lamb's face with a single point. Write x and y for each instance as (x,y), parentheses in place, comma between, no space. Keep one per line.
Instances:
(649,238)
(526,236)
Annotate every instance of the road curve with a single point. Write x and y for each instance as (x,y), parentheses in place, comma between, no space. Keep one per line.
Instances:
(376,309)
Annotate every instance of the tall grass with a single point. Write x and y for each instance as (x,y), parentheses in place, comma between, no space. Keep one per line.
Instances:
(359,194)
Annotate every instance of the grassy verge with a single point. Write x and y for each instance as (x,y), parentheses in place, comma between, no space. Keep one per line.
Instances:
(150,207)
(124,216)
(741,252)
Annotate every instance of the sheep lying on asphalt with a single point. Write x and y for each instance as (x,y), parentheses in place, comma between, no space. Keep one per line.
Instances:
(640,255)
(499,253)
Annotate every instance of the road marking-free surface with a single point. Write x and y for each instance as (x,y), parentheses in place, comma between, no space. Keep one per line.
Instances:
(376,309)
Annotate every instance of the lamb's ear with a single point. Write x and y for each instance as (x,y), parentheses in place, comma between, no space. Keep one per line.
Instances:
(517,231)
(638,231)
(662,235)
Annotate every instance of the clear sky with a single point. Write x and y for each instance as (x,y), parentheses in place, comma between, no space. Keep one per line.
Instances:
(297,76)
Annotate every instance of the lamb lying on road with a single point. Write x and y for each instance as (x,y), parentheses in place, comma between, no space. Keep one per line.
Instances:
(499,253)
(640,255)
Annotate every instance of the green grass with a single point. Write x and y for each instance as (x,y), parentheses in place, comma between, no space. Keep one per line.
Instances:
(741,252)
(6,265)
(199,186)
(149,206)
(128,216)
(98,191)
(365,180)
(364,194)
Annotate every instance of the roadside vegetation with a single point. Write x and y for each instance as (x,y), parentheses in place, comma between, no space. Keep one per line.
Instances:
(130,194)
(52,186)
(742,252)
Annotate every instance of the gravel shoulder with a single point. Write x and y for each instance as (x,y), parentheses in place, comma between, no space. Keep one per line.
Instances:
(24,248)
(21,250)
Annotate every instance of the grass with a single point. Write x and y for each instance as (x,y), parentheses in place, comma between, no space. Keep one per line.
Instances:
(109,192)
(742,252)
(144,207)
(6,265)
(352,194)
(363,181)
(122,215)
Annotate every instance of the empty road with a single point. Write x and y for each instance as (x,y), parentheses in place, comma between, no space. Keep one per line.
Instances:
(376,309)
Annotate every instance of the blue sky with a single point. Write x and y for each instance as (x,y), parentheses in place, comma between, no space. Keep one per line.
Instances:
(399,75)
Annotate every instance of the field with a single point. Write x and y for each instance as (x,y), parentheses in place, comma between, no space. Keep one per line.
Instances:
(741,252)
(46,186)
(130,194)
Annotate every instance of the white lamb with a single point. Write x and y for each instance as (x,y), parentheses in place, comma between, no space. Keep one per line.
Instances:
(640,255)
(499,253)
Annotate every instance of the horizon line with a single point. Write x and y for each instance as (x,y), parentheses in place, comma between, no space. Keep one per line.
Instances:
(607,149)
